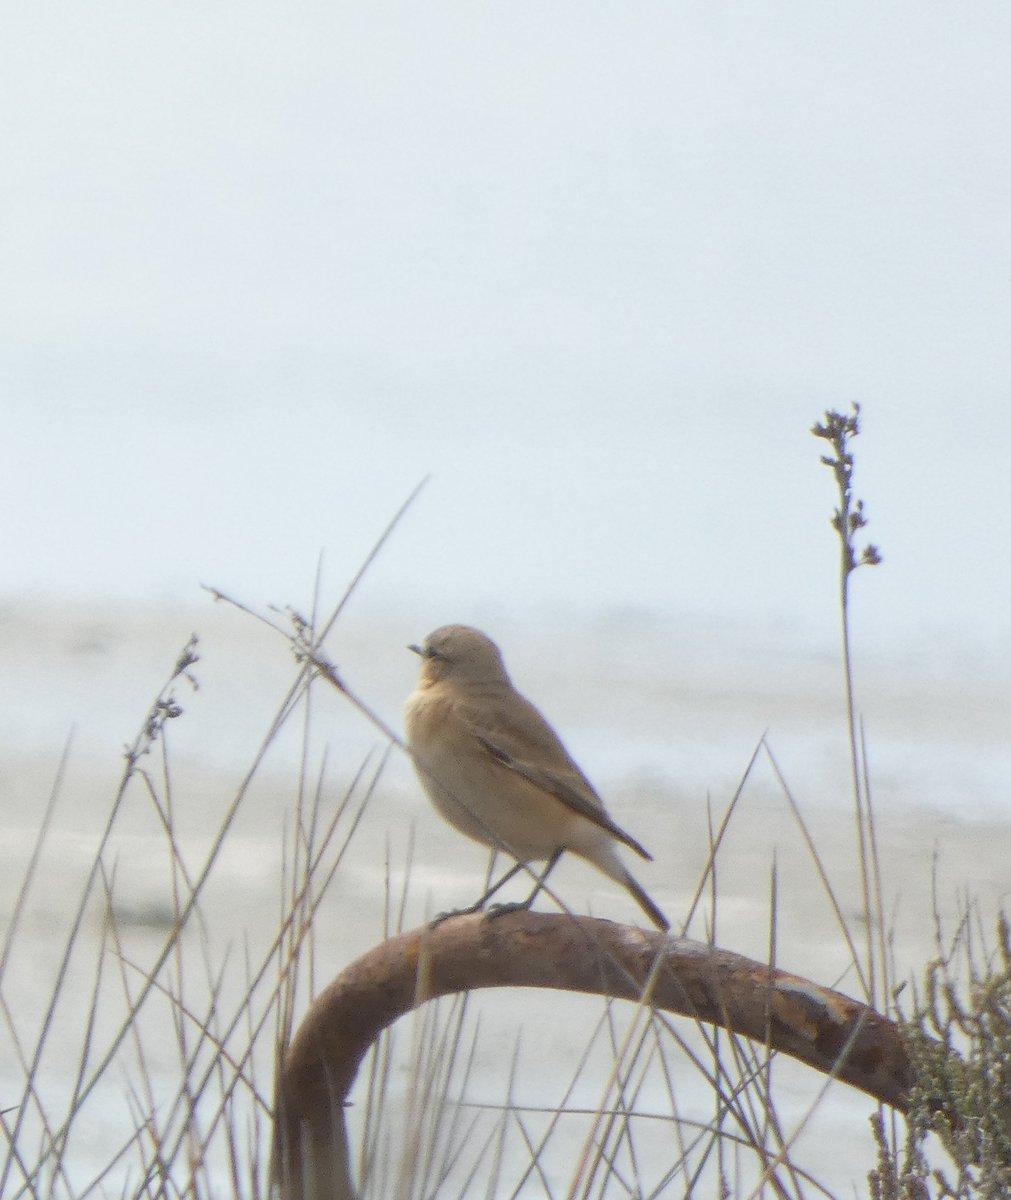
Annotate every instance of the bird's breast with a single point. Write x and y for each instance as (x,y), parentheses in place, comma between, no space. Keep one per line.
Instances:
(428,716)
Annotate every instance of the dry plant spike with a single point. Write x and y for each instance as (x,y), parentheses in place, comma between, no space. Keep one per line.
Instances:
(831,1032)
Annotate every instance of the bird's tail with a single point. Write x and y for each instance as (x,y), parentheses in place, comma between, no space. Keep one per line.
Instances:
(604,854)
(645,903)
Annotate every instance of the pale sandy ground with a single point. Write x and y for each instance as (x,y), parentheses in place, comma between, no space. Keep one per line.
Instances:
(663,718)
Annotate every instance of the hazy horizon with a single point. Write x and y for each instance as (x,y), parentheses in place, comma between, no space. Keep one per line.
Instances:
(596,271)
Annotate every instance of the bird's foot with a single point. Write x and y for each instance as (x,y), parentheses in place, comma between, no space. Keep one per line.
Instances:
(500,910)
(454,912)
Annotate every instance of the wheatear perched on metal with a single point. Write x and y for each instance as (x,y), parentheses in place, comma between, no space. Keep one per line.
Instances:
(497,771)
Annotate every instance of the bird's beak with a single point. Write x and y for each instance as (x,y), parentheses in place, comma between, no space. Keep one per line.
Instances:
(416,649)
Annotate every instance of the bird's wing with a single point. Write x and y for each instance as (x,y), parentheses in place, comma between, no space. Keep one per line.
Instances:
(535,753)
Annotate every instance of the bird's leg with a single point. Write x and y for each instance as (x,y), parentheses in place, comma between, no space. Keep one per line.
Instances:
(497,910)
(479,904)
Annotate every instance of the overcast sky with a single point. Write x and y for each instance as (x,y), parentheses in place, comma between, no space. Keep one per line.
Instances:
(593,267)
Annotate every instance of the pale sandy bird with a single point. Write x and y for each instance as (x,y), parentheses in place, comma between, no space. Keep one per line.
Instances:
(497,771)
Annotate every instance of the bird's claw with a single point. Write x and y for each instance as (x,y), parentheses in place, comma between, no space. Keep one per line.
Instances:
(500,910)
(453,912)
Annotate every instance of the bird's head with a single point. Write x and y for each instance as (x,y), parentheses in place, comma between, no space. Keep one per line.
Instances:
(461,654)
